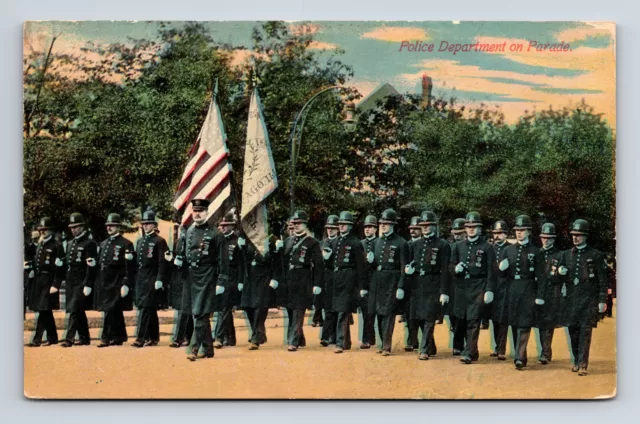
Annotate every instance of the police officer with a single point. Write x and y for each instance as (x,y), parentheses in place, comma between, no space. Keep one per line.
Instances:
(29,253)
(586,287)
(550,314)
(116,276)
(225,331)
(208,264)
(82,252)
(349,275)
(390,255)
(415,231)
(367,320)
(48,266)
(428,271)
(181,294)
(472,262)
(262,280)
(521,265)
(498,308)
(305,276)
(323,300)
(152,263)
(458,326)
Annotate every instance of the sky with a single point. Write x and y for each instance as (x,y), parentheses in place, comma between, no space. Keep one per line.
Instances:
(515,76)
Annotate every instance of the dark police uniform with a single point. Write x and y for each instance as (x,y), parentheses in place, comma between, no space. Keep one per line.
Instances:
(82,254)
(367,320)
(477,277)
(48,268)
(430,256)
(116,268)
(498,308)
(329,325)
(411,328)
(550,314)
(525,277)
(305,270)
(29,255)
(208,263)
(586,284)
(257,295)
(181,295)
(152,267)
(349,275)
(391,254)
(225,330)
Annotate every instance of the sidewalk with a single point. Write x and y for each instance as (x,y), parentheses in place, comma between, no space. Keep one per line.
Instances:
(166,316)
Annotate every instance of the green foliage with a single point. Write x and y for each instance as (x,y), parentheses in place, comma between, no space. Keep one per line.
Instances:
(112,134)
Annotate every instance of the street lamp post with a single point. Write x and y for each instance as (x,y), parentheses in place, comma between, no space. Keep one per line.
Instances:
(295,138)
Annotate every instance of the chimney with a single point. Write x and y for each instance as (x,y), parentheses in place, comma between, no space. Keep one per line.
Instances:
(427,86)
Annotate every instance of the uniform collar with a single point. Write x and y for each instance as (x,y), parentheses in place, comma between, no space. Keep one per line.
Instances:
(373,237)
(429,236)
(228,235)
(344,235)
(547,249)
(582,247)
(46,239)
(387,235)
(332,238)
(415,238)
(473,240)
(78,237)
(523,243)
(501,244)
(115,236)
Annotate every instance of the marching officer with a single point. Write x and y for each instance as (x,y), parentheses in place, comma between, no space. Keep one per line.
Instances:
(323,300)
(305,276)
(116,276)
(44,297)
(458,326)
(498,308)
(225,331)
(472,262)
(82,252)
(429,273)
(368,319)
(349,275)
(523,268)
(415,231)
(153,261)
(262,279)
(390,255)
(550,314)
(208,264)
(586,287)
(30,248)
(181,294)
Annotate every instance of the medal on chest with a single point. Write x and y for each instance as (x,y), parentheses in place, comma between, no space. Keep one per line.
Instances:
(392,253)
(346,254)
(479,254)
(303,253)
(531,257)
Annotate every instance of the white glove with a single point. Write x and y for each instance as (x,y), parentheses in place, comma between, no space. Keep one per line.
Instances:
(564,290)
(273,284)
(124,291)
(317,290)
(32,274)
(240,286)
(59,262)
(241,242)
(504,265)
(128,256)
(219,290)
(91,262)
(158,285)
(409,269)
(370,257)
(444,299)
(363,293)
(178,261)
(539,302)
(86,290)
(488,297)
(326,253)
(53,290)
(168,256)
(563,270)
(459,268)
(26,265)
(279,244)
(399,294)
(602,307)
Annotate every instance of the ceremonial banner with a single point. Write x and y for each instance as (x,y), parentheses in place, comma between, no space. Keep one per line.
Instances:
(259,178)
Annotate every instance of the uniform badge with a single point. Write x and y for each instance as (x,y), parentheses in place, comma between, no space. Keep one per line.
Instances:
(479,254)
(422,272)
(576,281)
(253,263)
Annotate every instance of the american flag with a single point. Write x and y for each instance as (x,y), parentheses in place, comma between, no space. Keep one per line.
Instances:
(208,171)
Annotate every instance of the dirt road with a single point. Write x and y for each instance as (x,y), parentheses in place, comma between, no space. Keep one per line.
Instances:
(314,372)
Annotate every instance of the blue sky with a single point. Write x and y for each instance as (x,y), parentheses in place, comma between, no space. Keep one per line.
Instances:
(513,81)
